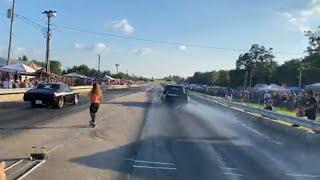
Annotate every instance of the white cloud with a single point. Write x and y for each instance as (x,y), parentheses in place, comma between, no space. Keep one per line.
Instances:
(299,22)
(123,25)
(313,8)
(20,49)
(300,18)
(77,46)
(143,51)
(182,48)
(99,47)
(83,47)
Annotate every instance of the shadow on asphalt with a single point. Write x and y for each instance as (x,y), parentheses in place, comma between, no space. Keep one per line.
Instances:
(14,105)
(47,127)
(114,159)
(194,155)
(189,156)
(130,104)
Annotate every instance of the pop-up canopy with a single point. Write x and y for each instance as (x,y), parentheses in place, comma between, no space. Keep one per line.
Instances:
(34,66)
(313,87)
(19,67)
(273,87)
(106,77)
(75,75)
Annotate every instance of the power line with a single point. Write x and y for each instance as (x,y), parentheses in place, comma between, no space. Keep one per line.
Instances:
(146,40)
(29,21)
(35,24)
(164,42)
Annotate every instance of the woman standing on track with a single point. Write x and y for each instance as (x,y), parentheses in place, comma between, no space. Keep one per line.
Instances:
(95,98)
(2,167)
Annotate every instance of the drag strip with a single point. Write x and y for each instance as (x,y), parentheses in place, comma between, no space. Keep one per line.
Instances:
(19,117)
(201,141)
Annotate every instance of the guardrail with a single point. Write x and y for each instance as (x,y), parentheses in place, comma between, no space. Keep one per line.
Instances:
(314,125)
(23,90)
(13,91)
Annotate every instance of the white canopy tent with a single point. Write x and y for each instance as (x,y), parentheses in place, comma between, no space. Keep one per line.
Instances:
(106,77)
(75,75)
(273,87)
(19,67)
(313,87)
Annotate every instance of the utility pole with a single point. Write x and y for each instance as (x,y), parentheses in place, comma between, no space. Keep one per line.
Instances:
(252,68)
(11,16)
(301,68)
(300,77)
(245,79)
(117,67)
(49,14)
(250,78)
(99,67)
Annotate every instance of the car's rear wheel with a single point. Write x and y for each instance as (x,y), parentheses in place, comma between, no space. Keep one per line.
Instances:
(76,99)
(60,103)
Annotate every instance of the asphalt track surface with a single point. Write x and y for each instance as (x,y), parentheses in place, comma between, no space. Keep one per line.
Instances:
(18,116)
(198,141)
(193,141)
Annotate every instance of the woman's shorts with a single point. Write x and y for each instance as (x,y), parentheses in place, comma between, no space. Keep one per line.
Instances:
(94,108)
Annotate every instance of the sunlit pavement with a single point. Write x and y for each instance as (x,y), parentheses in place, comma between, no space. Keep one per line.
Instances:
(139,137)
(198,141)
(68,137)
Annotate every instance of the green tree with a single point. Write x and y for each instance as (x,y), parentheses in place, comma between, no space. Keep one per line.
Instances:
(85,70)
(178,79)
(24,58)
(206,78)
(223,78)
(264,72)
(311,63)
(236,77)
(55,67)
(257,56)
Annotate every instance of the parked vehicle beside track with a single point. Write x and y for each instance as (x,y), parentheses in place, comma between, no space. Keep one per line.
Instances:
(55,95)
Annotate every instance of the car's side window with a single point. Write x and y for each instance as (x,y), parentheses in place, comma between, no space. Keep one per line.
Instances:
(66,88)
(61,89)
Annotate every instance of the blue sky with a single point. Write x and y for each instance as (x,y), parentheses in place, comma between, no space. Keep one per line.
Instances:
(234,24)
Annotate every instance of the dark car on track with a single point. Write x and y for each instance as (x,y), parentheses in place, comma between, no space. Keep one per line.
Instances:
(175,94)
(55,95)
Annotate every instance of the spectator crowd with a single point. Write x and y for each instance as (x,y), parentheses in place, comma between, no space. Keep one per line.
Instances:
(16,80)
(298,101)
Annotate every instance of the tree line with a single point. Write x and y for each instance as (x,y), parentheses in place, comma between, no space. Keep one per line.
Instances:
(55,67)
(91,72)
(258,66)
(85,70)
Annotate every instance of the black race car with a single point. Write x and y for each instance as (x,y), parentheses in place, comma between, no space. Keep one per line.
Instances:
(175,94)
(55,95)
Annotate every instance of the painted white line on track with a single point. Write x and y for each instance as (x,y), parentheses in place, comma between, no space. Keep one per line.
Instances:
(31,170)
(12,165)
(304,175)
(261,134)
(151,162)
(232,174)
(228,168)
(155,167)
